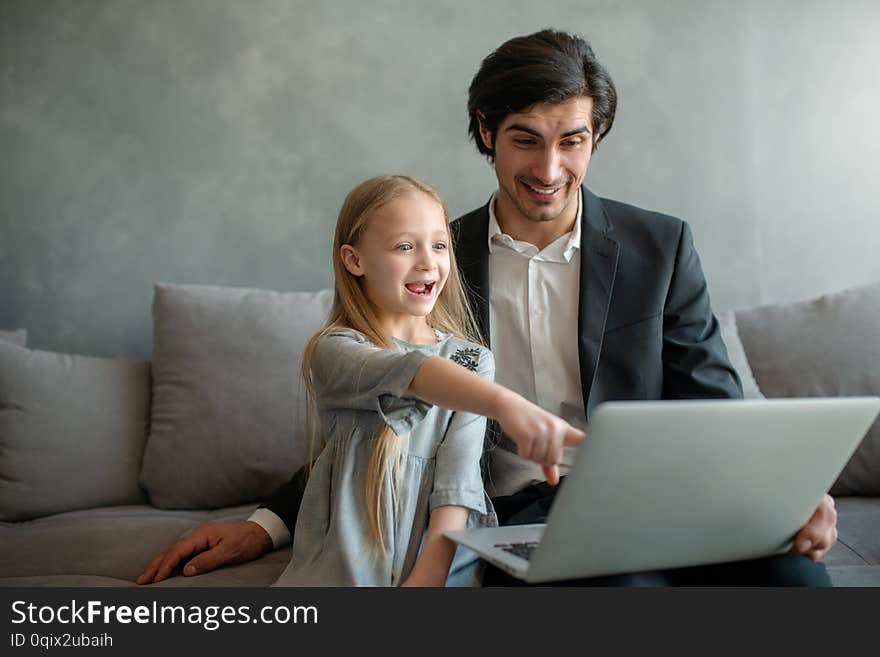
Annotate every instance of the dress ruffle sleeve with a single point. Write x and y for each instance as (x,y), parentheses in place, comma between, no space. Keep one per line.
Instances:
(355,374)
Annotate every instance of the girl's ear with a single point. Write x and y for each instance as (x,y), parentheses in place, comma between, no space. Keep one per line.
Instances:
(351,259)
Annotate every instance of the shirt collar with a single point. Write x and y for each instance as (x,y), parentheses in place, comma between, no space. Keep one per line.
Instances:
(497,238)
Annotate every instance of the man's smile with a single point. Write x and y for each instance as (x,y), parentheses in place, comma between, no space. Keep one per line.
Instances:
(543,193)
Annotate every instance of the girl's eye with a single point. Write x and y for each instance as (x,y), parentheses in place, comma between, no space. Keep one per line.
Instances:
(440,245)
(404,247)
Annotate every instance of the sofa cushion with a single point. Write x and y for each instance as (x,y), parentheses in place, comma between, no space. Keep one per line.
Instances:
(825,347)
(737,355)
(18,337)
(858,526)
(854,560)
(72,431)
(226,420)
(111,546)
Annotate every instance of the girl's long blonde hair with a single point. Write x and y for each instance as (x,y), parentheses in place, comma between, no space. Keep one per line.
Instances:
(352,309)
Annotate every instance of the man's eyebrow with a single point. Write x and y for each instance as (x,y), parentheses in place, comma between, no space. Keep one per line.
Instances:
(577,131)
(524,128)
(518,127)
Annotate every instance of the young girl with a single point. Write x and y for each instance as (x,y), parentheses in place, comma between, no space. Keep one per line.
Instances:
(401,389)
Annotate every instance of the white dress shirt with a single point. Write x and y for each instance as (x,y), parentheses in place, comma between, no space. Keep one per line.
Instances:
(533,320)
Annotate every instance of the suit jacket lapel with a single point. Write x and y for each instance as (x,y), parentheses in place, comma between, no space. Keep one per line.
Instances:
(471,235)
(599,254)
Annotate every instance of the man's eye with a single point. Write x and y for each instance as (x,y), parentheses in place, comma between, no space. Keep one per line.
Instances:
(572,142)
(524,142)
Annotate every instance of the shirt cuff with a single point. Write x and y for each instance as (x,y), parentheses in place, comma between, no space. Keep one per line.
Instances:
(273,525)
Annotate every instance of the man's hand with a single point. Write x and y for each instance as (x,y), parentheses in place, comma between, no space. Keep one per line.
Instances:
(216,544)
(819,534)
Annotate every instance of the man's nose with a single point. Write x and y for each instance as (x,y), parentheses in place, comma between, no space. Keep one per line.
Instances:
(548,166)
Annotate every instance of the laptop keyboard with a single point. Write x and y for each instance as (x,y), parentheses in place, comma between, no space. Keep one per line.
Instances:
(521,550)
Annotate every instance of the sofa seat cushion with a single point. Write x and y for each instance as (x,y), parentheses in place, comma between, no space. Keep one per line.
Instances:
(261,573)
(858,527)
(76,581)
(854,576)
(841,555)
(116,543)
(855,559)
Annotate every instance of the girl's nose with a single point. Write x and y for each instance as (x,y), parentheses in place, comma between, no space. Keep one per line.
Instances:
(427,262)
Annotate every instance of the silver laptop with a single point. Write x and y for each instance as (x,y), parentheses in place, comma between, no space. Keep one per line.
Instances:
(658,485)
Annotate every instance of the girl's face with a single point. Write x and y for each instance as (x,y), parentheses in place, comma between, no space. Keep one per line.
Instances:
(403,256)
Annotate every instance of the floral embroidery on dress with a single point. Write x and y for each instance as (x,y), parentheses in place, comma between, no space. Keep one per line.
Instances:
(467,357)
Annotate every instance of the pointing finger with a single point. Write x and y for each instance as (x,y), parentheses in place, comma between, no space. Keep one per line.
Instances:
(573,436)
(551,473)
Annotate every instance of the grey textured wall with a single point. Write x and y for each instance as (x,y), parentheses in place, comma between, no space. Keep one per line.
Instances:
(212,141)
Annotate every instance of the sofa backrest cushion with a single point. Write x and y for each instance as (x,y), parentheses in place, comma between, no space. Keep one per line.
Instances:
(824,347)
(19,337)
(227,419)
(72,431)
(737,355)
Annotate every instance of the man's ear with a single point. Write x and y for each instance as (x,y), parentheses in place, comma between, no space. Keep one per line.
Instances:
(485,133)
(351,259)
(597,137)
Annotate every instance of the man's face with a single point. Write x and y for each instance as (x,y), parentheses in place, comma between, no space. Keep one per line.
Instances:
(541,158)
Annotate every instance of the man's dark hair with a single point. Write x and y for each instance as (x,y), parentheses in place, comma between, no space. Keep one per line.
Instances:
(545,67)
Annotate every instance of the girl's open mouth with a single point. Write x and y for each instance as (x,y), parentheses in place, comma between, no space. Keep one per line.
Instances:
(421,289)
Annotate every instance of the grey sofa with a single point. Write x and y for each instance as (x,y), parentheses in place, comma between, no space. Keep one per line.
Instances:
(104,462)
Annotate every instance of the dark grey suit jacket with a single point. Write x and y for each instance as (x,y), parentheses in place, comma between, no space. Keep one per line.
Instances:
(645,324)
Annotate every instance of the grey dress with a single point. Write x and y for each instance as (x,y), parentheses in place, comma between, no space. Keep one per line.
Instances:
(358,387)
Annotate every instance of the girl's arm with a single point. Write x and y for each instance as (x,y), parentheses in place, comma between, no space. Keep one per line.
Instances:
(351,373)
(432,565)
(538,434)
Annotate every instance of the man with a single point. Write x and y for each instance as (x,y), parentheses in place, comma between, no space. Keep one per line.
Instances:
(598,301)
